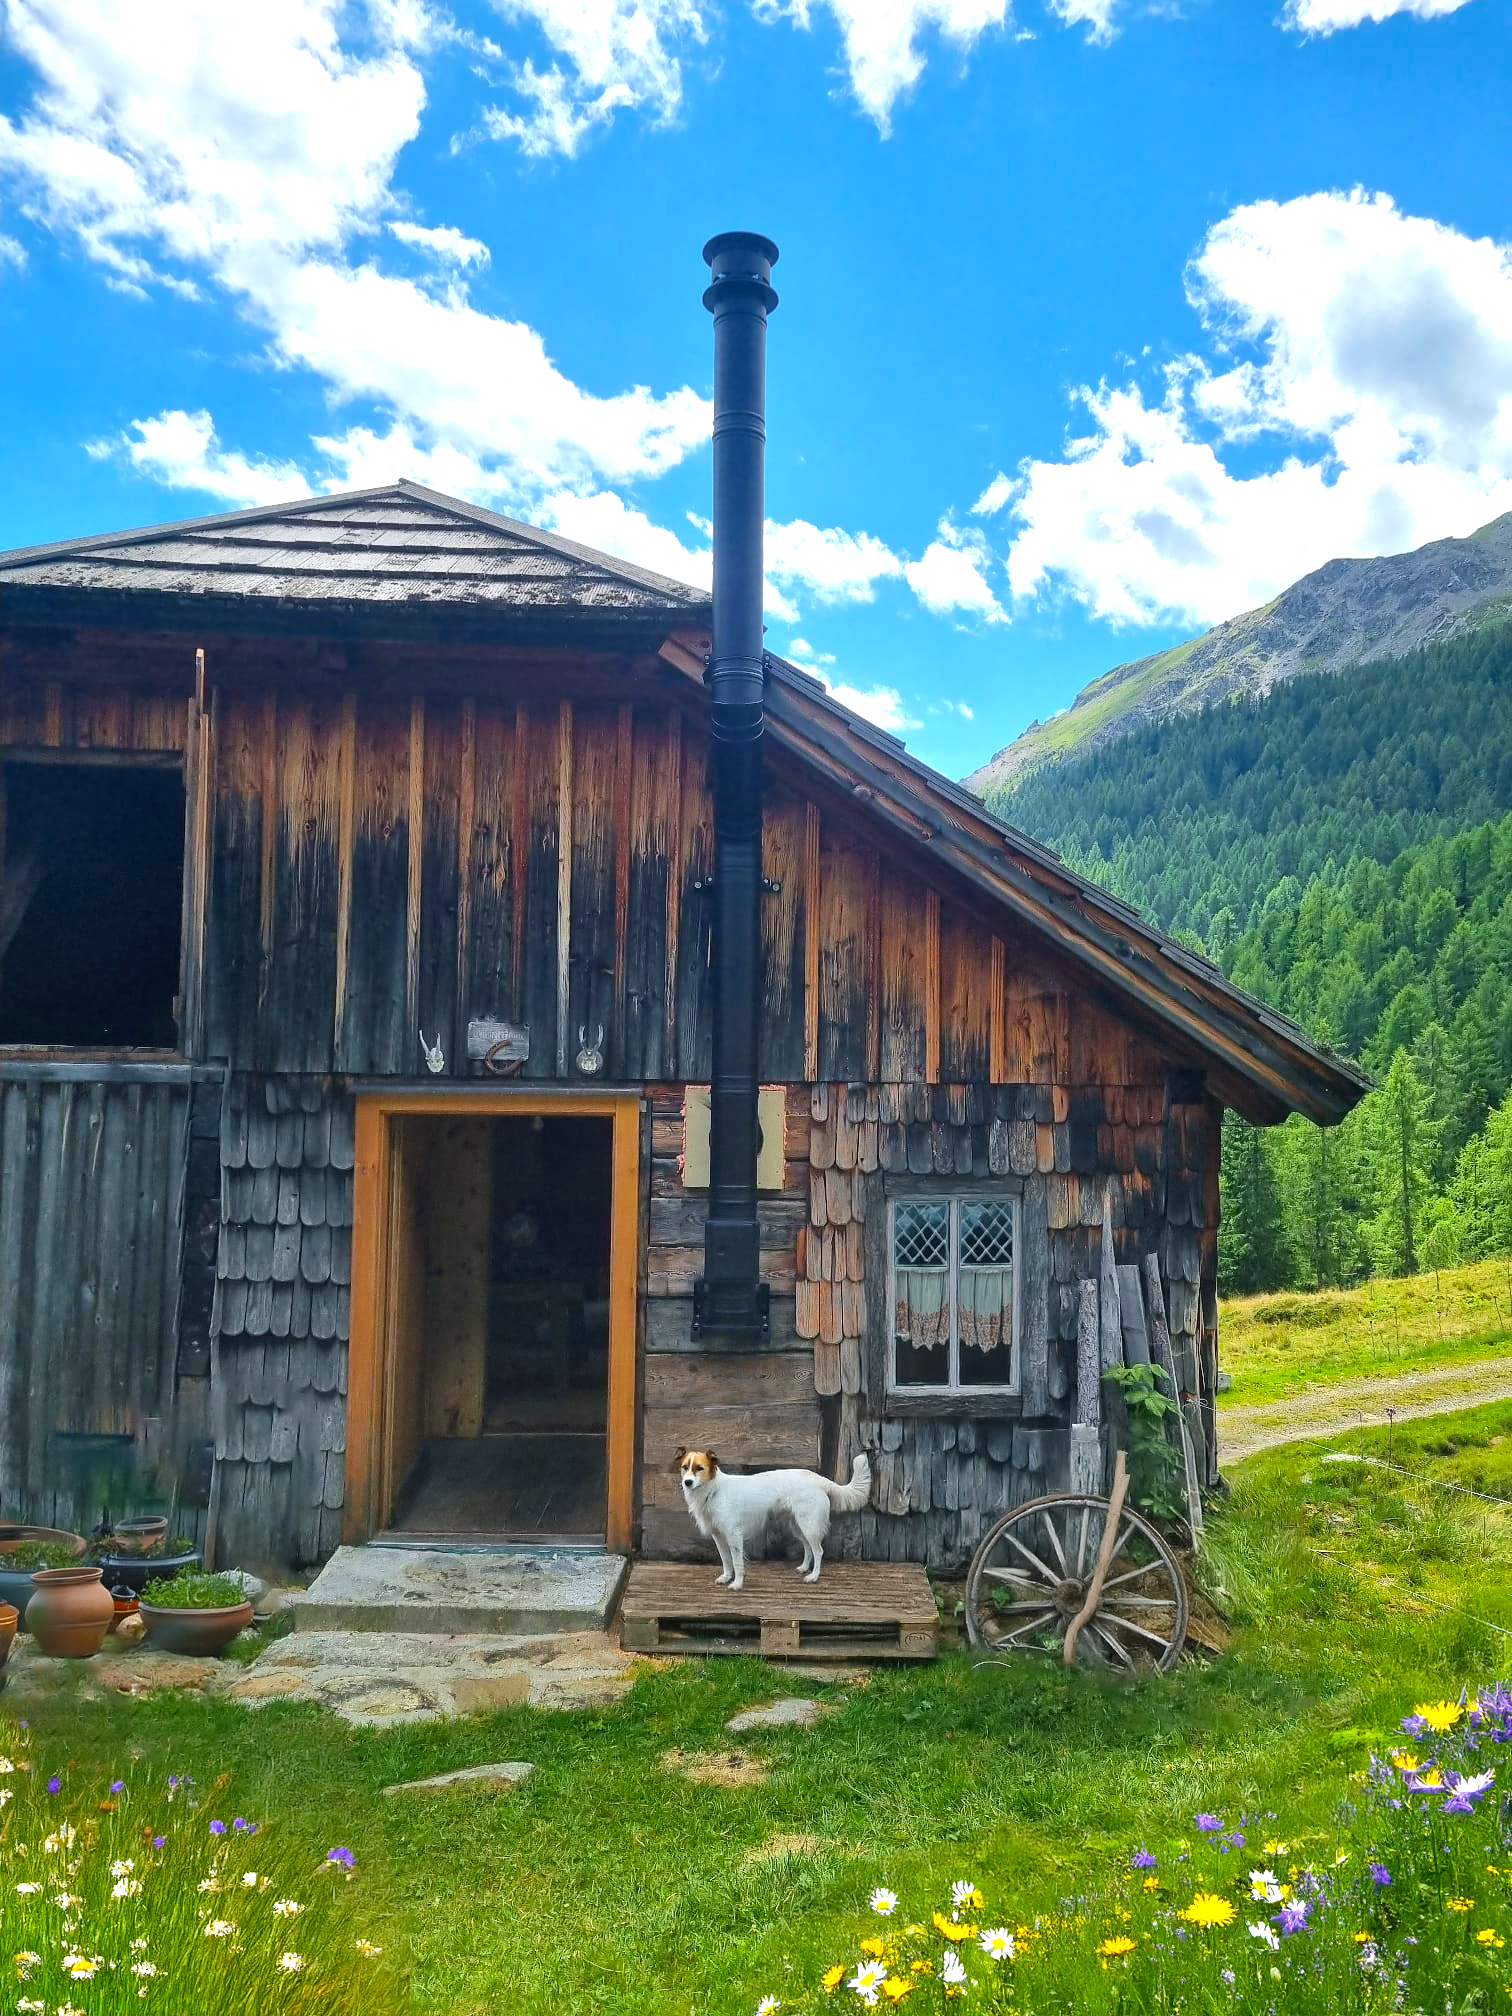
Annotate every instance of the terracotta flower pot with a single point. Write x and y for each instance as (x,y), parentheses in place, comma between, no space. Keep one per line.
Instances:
(198,1632)
(70,1612)
(10,1617)
(132,1535)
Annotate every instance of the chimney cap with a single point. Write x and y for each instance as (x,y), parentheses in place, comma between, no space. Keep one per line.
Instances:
(740,259)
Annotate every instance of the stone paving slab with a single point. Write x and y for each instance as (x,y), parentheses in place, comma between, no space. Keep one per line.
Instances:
(410,1589)
(491,1777)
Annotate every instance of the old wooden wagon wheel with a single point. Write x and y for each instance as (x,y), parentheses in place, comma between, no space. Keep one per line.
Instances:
(1031,1575)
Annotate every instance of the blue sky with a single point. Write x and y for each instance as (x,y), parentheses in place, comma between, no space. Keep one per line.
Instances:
(1100,320)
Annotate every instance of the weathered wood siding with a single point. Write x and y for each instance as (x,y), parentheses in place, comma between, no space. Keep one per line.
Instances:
(108,1207)
(282,1318)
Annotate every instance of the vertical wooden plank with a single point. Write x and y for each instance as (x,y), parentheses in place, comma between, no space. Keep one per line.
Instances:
(298,1030)
(812,898)
(53,733)
(783,1005)
(364,1365)
(932,987)
(467,788)
(493,899)
(844,902)
(872,950)
(414,877)
(439,879)
(345,788)
(695,927)
(624,1243)
(997,1016)
(378,1025)
(564,885)
(592,875)
(267,879)
(965,998)
(904,979)
(234,939)
(199,793)
(542,772)
(623,758)
(674,857)
(519,857)
(654,788)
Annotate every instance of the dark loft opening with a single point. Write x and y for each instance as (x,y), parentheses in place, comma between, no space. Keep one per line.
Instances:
(91,887)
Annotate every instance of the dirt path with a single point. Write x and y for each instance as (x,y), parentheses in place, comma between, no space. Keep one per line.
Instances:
(1361,1403)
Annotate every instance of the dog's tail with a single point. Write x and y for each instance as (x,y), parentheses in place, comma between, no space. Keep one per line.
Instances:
(851,1497)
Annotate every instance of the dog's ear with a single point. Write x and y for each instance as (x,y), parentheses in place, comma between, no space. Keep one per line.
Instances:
(678,1457)
(713,1461)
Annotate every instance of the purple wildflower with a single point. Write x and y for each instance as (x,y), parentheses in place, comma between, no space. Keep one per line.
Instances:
(119,1785)
(217,1826)
(1380,1875)
(159,1840)
(1413,1725)
(344,1856)
(1208,1823)
(1236,1839)
(172,1781)
(245,1826)
(1143,1860)
(55,1784)
(1292,1918)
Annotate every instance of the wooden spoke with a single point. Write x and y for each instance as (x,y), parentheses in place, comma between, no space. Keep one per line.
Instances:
(1081,1539)
(1055,1542)
(1028,1625)
(1029,1555)
(1107,1637)
(1128,1624)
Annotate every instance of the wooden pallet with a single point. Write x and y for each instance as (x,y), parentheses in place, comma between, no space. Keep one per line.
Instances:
(856,1610)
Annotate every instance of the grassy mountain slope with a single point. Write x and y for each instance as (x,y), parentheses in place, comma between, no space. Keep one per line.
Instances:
(1344,613)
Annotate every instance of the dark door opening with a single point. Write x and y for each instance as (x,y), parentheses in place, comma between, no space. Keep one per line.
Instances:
(500,1299)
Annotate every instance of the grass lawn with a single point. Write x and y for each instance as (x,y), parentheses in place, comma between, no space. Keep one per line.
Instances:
(1274,1346)
(609,1882)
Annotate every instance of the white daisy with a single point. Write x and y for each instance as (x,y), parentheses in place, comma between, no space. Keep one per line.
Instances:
(5,1766)
(219,1928)
(1263,1886)
(25,1963)
(26,2007)
(81,1966)
(883,1902)
(1258,1929)
(143,1967)
(767,2006)
(121,1868)
(27,1889)
(249,1877)
(368,1950)
(128,1886)
(962,1894)
(290,1963)
(1473,1787)
(952,1969)
(997,1943)
(867,1979)
(287,1908)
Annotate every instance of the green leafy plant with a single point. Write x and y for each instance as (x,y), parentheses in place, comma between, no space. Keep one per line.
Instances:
(34,1554)
(107,1547)
(192,1590)
(1156,1478)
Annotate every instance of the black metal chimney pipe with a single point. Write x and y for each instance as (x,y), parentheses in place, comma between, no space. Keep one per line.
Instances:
(731,1299)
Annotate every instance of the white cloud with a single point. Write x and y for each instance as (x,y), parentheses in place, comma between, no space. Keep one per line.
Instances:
(291,152)
(1362,356)
(12,251)
(834,566)
(958,707)
(1322,17)
(619,55)
(881,39)
(994,497)
(801,652)
(951,575)
(1096,16)
(442,241)
(881,705)
(180,449)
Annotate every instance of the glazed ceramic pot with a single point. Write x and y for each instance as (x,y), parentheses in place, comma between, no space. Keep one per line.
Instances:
(199,1632)
(70,1612)
(136,1571)
(16,1583)
(132,1535)
(125,1606)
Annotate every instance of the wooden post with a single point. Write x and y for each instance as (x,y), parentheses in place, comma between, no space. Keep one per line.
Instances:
(1136,1341)
(1110,1336)
(1176,1428)
(1104,1559)
(1086,1439)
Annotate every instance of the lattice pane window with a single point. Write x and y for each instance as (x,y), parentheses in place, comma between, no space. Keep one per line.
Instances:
(952,1294)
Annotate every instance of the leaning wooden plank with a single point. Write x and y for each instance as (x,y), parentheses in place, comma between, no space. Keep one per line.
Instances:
(1110,1336)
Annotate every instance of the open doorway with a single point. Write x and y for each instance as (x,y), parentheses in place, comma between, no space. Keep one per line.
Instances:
(500,1321)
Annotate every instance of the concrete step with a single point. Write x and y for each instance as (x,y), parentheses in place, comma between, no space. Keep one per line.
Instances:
(436,1590)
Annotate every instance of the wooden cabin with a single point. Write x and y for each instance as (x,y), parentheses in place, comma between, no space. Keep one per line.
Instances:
(355,1037)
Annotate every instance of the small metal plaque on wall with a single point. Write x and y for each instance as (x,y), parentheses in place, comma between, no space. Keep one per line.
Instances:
(771,1121)
(493,1044)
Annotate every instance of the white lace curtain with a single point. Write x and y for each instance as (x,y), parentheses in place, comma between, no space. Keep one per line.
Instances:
(922,1316)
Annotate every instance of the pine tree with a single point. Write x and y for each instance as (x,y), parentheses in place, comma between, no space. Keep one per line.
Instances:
(1253,1251)
(1402,1146)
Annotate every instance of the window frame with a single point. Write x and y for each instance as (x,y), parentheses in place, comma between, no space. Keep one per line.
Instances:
(954,1394)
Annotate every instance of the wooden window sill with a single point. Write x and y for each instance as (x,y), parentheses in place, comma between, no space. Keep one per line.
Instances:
(900,1403)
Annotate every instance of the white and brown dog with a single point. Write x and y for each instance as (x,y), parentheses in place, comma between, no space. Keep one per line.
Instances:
(731,1510)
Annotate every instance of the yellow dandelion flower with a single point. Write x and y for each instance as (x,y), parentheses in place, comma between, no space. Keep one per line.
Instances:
(1152,1883)
(831,1980)
(873,1947)
(1405,1760)
(1362,1938)
(1207,1909)
(1460,1904)
(948,1929)
(922,1967)
(1439,1715)
(1116,1948)
(1487,1937)
(895,1989)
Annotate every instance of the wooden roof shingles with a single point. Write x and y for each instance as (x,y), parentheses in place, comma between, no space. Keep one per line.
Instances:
(394,561)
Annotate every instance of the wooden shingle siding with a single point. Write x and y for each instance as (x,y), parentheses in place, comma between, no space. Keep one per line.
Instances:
(283,1316)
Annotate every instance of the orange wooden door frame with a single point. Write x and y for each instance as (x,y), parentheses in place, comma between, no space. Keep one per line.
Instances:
(370,1353)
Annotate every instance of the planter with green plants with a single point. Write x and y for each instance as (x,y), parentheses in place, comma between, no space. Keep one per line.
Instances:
(41,1547)
(134,1566)
(195,1613)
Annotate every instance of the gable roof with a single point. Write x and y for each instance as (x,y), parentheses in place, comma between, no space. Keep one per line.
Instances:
(406,562)
(366,561)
